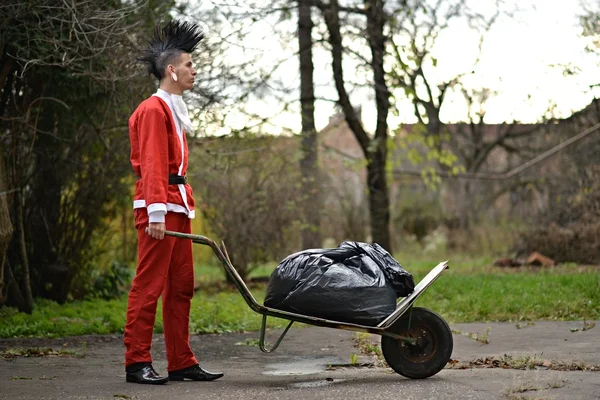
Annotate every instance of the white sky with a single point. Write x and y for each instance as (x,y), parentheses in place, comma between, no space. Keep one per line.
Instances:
(517,58)
(516,62)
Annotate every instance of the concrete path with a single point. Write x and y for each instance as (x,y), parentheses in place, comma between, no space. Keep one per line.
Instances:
(313,363)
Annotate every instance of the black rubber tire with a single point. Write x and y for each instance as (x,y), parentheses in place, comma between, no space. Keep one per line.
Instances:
(432,350)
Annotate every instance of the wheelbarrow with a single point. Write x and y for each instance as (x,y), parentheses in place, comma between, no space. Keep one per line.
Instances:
(416,342)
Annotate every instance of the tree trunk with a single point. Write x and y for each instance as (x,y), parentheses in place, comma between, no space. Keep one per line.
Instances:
(6,227)
(26,284)
(311,227)
(465,207)
(379,201)
(3,284)
(375,150)
(13,292)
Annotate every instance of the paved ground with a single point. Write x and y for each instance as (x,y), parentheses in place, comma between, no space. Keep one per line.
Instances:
(299,368)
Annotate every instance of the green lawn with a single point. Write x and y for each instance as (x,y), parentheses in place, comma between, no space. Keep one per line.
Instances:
(471,290)
(211,313)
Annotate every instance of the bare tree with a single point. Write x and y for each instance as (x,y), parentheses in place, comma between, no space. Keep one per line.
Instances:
(6,229)
(479,147)
(466,147)
(244,81)
(311,232)
(374,148)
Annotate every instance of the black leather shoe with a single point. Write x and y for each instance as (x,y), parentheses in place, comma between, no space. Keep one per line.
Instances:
(195,373)
(146,375)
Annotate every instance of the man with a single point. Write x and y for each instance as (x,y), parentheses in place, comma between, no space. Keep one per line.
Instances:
(163,201)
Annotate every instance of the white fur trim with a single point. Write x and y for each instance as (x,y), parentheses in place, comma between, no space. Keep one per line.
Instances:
(170,207)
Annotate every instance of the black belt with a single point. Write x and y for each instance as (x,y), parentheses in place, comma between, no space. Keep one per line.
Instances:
(177,179)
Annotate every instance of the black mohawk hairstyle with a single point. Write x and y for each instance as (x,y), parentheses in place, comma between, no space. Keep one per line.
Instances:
(173,39)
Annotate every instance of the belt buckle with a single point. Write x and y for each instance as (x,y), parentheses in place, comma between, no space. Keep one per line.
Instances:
(185,179)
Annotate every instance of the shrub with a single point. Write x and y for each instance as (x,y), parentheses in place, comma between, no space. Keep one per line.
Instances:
(579,242)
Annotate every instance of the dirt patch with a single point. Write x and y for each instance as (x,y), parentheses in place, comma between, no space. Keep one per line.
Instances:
(522,363)
(68,342)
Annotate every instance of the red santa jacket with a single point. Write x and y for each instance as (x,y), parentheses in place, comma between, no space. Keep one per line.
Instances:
(157,151)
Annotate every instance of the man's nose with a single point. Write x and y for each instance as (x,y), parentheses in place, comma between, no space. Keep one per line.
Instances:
(194,72)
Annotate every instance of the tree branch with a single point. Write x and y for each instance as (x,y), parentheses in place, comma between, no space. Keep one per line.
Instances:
(332,21)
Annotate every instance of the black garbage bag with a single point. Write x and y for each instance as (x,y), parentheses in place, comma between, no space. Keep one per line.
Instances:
(355,282)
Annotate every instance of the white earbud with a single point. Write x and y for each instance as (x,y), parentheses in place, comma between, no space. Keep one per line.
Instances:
(174,76)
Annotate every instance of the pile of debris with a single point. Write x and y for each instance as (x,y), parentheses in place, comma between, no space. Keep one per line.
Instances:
(535,259)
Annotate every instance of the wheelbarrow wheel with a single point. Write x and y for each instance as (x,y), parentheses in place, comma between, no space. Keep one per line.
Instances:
(427,346)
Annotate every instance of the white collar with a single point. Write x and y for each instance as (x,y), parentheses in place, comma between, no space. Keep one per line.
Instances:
(178,108)
(166,96)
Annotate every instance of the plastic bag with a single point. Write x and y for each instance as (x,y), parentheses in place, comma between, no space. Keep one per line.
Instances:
(355,282)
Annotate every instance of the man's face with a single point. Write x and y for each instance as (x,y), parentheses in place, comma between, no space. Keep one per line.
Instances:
(185,72)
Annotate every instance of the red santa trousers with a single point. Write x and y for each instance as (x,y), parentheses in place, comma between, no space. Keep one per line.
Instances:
(164,267)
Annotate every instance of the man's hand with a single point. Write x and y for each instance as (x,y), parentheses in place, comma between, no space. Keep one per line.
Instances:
(157,230)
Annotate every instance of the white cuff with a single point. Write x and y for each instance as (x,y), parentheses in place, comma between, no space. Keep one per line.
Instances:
(157,216)
(156,207)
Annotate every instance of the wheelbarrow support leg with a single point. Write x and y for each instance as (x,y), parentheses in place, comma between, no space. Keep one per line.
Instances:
(261,342)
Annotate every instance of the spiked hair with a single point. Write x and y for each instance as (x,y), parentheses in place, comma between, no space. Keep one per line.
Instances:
(168,43)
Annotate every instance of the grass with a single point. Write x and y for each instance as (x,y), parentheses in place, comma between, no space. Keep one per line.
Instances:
(481,338)
(471,290)
(524,362)
(210,313)
(515,296)
(512,392)
(38,352)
